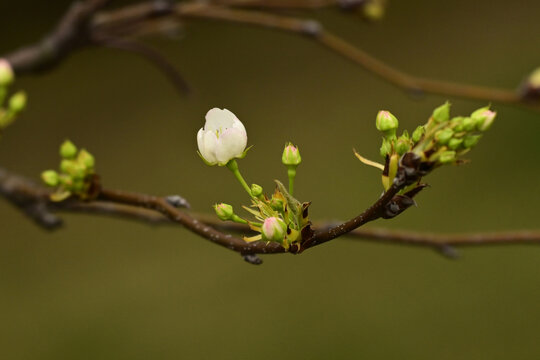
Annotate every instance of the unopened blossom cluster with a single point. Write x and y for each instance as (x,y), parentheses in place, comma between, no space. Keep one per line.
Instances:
(16,102)
(279,217)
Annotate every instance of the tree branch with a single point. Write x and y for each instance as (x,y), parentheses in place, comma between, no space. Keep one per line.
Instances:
(25,195)
(82,22)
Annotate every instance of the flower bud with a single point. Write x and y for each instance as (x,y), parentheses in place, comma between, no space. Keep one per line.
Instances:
(17,102)
(442,113)
(291,155)
(86,159)
(468,124)
(447,157)
(72,168)
(387,123)
(418,133)
(483,118)
(224,211)
(444,136)
(471,140)
(50,177)
(454,143)
(256,190)
(402,145)
(273,229)
(68,150)
(277,204)
(457,123)
(6,73)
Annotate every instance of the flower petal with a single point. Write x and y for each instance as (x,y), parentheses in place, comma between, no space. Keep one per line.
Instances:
(208,150)
(230,144)
(218,119)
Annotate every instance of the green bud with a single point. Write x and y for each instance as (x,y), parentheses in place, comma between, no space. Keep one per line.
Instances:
(402,145)
(274,229)
(483,118)
(277,204)
(17,102)
(454,143)
(50,177)
(78,185)
(534,79)
(468,124)
(72,168)
(471,140)
(86,159)
(256,190)
(386,148)
(447,157)
(444,136)
(224,211)
(68,150)
(387,123)
(291,155)
(457,123)
(6,73)
(442,113)
(418,133)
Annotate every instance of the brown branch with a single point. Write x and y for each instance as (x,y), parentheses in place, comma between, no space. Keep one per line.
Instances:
(81,23)
(34,201)
(358,56)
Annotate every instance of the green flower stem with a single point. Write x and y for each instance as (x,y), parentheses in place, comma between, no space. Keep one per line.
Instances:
(233,166)
(291,172)
(237,219)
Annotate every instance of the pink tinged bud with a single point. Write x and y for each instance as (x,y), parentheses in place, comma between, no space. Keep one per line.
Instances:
(6,73)
(386,121)
(488,118)
(273,229)
(224,211)
(291,155)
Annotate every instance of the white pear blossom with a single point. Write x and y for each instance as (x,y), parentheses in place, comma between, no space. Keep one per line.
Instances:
(222,138)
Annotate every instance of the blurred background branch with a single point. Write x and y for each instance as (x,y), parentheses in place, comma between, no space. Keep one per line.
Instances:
(85,24)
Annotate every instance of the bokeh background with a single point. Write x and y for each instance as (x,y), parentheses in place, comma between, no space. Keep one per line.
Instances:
(105,288)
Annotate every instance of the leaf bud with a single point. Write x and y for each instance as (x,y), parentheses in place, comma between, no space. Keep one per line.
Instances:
(386,148)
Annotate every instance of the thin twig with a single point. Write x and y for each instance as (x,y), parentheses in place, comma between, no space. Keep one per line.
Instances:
(81,22)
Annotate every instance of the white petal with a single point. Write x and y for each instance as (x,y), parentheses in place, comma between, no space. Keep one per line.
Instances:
(217,119)
(210,142)
(200,142)
(231,144)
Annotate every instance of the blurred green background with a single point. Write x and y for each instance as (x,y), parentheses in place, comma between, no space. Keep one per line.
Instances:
(104,288)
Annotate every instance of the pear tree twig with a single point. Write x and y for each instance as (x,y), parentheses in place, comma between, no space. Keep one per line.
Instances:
(24,193)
